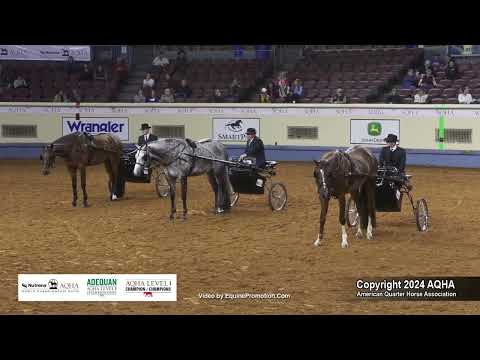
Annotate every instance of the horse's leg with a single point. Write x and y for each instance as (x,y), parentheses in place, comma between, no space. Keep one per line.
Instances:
(342,218)
(371,210)
(172,182)
(213,183)
(83,181)
(114,166)
(362,208)
(108,168)
(323,217)
(183,181)
(73,175)
(222,191)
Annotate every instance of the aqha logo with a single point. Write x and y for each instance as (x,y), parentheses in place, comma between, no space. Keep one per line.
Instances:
(148,294)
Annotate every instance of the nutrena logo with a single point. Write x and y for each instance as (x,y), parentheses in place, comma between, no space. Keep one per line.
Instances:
(95,127)
(374,129)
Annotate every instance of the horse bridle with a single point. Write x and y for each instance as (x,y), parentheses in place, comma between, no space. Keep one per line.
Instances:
(147,161)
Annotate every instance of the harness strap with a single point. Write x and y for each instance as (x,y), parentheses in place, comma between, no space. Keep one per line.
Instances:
(194,159)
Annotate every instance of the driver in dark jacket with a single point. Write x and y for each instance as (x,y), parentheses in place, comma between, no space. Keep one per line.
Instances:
(394,155)
(147,135)
(254,148)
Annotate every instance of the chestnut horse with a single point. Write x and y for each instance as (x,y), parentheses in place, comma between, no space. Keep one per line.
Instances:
(80,150)
(352,171)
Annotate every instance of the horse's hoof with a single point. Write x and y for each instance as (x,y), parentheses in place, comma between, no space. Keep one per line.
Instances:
(85,205)
(172,217)
(344,245)
(74,204)
(359,235)
(219,211)
(114,197)
(317,242)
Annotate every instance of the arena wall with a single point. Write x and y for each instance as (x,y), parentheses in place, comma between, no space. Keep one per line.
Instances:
(331,126)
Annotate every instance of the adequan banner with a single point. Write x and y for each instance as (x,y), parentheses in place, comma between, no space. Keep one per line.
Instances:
(45,52)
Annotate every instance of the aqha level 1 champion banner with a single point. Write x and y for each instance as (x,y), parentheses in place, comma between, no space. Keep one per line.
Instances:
(417,288)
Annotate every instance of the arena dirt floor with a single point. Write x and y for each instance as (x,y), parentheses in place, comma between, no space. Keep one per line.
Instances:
(250,250)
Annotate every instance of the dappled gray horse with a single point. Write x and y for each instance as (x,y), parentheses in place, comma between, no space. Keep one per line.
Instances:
(175,155)
(353,171)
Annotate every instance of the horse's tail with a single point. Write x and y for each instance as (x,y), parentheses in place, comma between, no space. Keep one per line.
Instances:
(120,188)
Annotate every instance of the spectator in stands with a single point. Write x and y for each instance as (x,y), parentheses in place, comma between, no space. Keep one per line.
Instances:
(183,90)
(451,71)
(427,81)
(60,97)
(139,97)
(171,83)
(152,98)
(394,97)
(75,96)
(264,97)
(410,80)
(71,66)
(148,82)
(436,62)
(297,91)
(120,70)
(100,74)
(217,96)
(284,92)
(420,97)
(181,61)
(465,97)
(235,87)
(339,97)
(167,96)
(19,82)
(272,90)
(160,62)
(427,66)
(4,79)
(86,74)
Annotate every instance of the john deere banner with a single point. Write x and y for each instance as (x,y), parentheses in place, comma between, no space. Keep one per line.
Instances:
(372,131)
(45,52)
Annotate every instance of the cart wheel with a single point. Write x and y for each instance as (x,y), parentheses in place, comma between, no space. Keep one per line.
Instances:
(352,213)
(161,185)
(234,198)
(277,197)
(421,215)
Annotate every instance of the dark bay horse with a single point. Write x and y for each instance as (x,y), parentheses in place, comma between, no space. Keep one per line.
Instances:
(352,171)
(81,150)
(175,155)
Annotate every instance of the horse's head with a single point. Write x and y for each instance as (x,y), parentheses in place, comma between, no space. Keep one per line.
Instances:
(330,174)
(48,159)
(140,160)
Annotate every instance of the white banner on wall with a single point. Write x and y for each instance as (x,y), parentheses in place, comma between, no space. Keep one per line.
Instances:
(95,125)
(45,52)
(233,129)
(372,132)
(97,287)
(472,112)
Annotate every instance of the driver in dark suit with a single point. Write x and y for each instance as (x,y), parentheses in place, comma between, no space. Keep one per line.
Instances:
(394,155)
(147,135)
(254,148)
